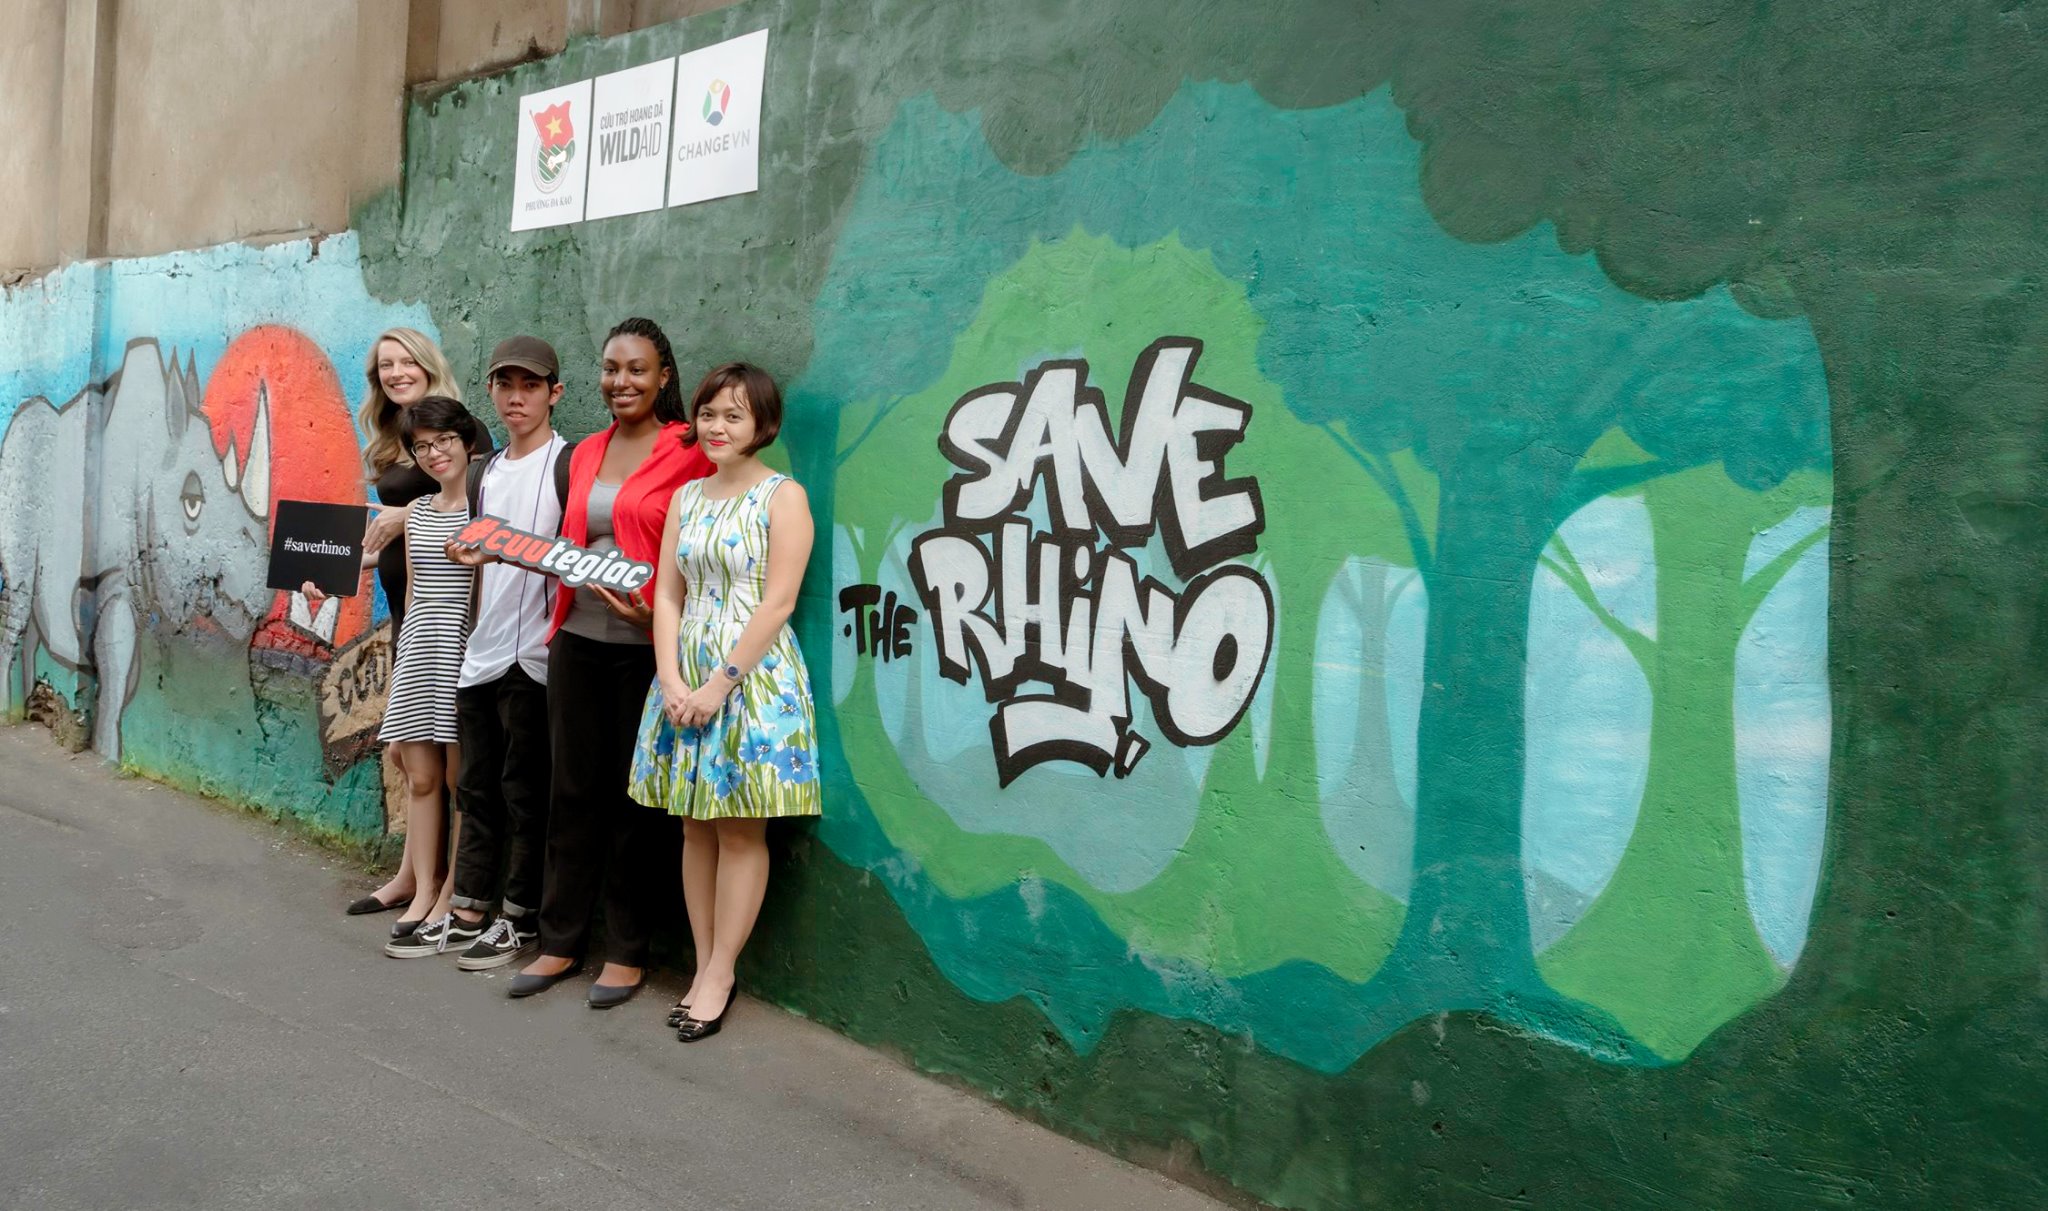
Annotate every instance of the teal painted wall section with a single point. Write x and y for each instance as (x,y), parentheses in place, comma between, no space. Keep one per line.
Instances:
(1557,722)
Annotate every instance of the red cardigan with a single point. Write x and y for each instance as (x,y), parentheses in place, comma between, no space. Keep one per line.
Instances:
(641,510)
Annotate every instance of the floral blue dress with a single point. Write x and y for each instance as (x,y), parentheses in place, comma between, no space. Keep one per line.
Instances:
(758,757)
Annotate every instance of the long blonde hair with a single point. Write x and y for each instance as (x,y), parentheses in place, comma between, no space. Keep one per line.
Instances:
(378,416)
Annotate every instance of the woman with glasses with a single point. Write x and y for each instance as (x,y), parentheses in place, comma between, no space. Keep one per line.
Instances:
(440,436)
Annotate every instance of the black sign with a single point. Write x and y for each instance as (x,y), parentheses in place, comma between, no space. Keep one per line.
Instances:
(320,543)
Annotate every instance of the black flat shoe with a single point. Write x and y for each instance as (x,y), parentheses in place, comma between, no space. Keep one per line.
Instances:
(605,996)
(524,985)
(403,928)
(697,1029)
(681,1009)
(368,905)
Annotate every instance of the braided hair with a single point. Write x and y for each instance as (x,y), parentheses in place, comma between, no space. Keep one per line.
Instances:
(668,404)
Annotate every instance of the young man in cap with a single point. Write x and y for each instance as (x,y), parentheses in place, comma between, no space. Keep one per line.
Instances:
(501,708)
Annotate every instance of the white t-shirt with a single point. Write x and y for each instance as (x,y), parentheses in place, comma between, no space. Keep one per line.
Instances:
(515,604)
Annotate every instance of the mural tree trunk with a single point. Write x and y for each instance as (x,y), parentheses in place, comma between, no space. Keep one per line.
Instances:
(1669,946)
(1468,923)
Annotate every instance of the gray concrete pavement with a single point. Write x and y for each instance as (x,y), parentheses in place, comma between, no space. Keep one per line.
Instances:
(188,1020)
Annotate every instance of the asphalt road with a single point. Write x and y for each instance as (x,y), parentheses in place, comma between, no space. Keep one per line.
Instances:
(188,1020)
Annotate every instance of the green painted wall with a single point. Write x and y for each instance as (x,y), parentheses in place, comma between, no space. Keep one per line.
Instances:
(1521,298)
(1634,805)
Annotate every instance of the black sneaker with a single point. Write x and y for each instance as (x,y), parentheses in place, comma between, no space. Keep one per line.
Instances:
(502,943)
(438,936)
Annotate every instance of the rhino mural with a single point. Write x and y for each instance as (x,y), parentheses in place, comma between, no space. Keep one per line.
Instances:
(166,531)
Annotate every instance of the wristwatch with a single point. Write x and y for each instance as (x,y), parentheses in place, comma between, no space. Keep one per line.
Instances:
(732,673)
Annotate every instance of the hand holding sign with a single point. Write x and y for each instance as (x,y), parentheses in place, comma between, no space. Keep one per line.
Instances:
(320,545)
(467,556)
(627,607)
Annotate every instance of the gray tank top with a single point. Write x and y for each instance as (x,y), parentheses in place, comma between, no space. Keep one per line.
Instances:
(589,616)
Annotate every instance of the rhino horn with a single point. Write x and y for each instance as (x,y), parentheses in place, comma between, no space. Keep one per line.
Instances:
(255,487)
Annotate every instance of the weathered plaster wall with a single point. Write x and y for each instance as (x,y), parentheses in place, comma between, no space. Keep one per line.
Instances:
(1560,490)
(471,37)
(239,115)
(31,70)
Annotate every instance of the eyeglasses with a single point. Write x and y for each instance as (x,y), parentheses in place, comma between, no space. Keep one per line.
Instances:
(447,443)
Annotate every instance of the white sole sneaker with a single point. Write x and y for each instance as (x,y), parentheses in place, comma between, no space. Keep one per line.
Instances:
(495,959)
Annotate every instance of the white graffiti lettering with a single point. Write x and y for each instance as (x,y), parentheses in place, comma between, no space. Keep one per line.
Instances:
(1067,608)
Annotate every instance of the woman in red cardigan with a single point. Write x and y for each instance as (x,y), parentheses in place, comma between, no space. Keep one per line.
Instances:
(600,662)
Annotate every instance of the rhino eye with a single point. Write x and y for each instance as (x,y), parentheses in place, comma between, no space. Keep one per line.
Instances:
(193,497)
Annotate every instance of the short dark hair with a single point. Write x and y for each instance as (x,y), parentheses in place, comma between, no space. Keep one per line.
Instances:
(668,402)
(443,415)
(756,387)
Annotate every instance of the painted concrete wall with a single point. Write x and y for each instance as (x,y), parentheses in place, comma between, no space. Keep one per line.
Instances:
(156,409)
(1421,610)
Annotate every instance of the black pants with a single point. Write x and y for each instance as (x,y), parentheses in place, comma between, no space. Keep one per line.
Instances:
(601,844)
(503,792)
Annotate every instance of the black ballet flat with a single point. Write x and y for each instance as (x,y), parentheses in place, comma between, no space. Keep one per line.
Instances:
(404,929)
(680,1011)
(524,985)
(695,1030)
(368,905)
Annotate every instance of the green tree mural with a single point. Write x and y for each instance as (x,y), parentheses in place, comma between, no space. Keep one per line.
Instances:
(1669,947)
(1516,388)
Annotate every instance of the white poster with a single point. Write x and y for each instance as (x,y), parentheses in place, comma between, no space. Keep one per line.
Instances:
(718,120)
(554,154)
(629,140)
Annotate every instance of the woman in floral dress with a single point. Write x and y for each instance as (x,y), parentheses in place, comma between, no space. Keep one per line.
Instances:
(728,739)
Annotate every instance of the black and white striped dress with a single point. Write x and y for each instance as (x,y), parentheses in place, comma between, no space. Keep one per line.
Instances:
(422,702)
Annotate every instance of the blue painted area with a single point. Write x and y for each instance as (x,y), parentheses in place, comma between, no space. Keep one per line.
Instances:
(1588,714)
(194,303)
(46,327)
(1373,830)
(1783,728)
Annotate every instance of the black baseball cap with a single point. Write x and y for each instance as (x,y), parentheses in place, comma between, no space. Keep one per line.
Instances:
(528,353)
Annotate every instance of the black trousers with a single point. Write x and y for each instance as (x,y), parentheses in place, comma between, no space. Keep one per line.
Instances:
(503,792)
(602,847)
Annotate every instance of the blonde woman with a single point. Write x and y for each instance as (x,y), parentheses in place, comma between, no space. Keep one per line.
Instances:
(405,366)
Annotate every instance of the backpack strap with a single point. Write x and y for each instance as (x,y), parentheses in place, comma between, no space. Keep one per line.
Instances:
(562,474)
(474,489)
(474,485)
